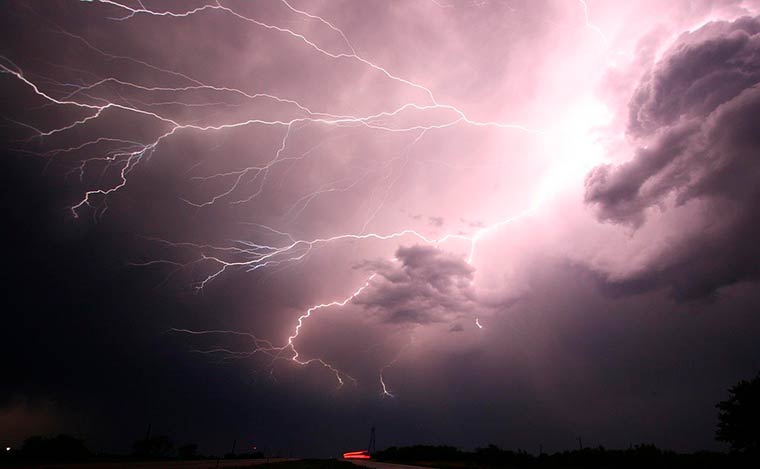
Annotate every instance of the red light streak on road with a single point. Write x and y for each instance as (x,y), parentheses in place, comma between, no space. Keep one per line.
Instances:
(356,455)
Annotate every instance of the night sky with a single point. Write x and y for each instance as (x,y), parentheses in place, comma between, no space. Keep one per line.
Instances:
(462,222)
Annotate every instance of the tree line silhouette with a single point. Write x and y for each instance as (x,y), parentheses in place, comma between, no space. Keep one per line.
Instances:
(738,426)
(491,456)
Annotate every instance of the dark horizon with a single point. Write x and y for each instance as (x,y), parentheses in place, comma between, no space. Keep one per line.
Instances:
(284,222)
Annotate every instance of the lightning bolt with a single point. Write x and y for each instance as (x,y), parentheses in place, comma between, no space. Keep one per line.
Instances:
(122,156)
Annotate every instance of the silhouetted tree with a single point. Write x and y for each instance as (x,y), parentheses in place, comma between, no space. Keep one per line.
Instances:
(153,447)
(739,417)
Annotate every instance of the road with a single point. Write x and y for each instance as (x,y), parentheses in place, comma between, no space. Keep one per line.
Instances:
(380,465)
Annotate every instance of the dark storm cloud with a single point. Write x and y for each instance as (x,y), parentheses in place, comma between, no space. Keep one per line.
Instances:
(703,70)
(424,285)
(695,117)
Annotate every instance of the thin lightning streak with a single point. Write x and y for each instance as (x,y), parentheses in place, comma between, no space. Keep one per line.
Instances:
(125,58)
(228,332)
(592,27)
(389,188)
(311,310)
(323,21)
(385,392)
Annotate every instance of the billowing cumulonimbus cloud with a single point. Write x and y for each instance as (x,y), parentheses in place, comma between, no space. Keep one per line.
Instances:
(423,285)
(695,118)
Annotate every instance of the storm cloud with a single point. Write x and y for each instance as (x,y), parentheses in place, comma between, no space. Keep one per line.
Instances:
(694,118)
(422,285)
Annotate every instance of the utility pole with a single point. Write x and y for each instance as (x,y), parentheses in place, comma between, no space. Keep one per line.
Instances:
(371,445)
(580,444)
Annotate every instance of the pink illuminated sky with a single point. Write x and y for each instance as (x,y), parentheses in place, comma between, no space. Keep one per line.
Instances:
(514,210)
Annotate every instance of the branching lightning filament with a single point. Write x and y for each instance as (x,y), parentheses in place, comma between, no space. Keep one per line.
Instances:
(121,157)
